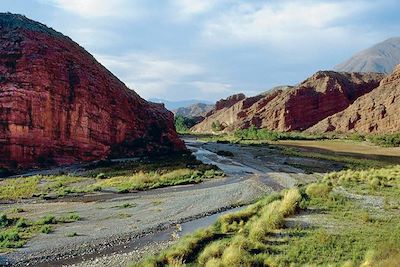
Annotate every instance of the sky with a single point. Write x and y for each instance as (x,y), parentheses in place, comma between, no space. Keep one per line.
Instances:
(210,49)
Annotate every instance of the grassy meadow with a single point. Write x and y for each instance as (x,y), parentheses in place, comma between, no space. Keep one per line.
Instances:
(333,222)
(121,177)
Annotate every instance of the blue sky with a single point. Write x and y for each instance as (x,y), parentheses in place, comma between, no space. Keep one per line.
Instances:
(210,49)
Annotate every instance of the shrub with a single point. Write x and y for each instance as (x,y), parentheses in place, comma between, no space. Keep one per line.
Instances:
(290,202)
(183,124)
(212,251)
(318,190)
(389,140)
(48,219)
(22,223)
(46,229)
(4,221)
(216,126)
(356,137)
(72,217)
(236,256)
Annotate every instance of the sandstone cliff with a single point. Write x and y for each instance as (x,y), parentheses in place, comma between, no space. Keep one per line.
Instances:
(375,112)
(292,108)
(58,105)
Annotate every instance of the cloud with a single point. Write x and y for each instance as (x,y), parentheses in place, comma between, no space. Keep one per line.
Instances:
(148,74)
(212,87)
(187,8)
(100,8)
(284,21)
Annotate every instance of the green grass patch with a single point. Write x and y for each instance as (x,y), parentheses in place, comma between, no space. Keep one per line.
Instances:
(257,235)
(19,187)
(350,162)
(372,181)
(124,176)
(16,231)
(386,140)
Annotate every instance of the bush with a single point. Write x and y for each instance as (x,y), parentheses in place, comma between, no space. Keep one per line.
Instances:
(46,229)
(22,223)
(356,137)
(72,217)
(48,219)
(212,251)
(290,202)
(252,133)
(235,255)
(183,124)
(318,190)
(216,126)
(388,140)
(5,221)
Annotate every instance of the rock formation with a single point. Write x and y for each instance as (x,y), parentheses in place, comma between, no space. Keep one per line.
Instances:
(375,112)
(292,108)
(198,110)
(58,105)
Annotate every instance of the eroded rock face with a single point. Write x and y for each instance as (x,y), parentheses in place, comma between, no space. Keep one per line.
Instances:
(295,108)
(58,105)
(229,101)
(375,112)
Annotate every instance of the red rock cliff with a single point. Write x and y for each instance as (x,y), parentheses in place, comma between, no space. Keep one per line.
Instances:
(294,108)
(58,105)
(375,112)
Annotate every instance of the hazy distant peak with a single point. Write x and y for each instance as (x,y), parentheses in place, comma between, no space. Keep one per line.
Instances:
(382,57)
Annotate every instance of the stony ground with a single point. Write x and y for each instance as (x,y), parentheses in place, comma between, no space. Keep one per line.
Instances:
(112,233)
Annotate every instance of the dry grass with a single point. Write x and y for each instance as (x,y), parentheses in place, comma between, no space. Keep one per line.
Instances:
(19,187)
(372,181)
(319,190)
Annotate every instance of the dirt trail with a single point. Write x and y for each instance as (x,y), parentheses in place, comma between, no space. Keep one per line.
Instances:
(112,235)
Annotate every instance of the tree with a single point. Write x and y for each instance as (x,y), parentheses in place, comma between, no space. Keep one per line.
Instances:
(216,126)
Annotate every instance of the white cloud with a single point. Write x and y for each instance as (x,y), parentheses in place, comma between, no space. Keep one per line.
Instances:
(283,21)
(93,38)
(99,8)
(148,74)
(193,7)
(212,87)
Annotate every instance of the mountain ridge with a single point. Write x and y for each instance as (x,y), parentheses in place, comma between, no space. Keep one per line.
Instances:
(381,57)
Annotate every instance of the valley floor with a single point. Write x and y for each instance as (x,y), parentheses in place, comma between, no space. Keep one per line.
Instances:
(116,229)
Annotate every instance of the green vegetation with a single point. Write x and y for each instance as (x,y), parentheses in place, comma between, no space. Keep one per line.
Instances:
(150,180)
(390,140)
(253,133)
(373,181)
(16,231)
(334,230)
(122,176)
(216,126)
(46,229)
(350,162)
(183,124)
(19,187)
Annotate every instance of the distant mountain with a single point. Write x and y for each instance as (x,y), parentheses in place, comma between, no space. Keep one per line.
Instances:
(171,105)
(382,57)
(193,111)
